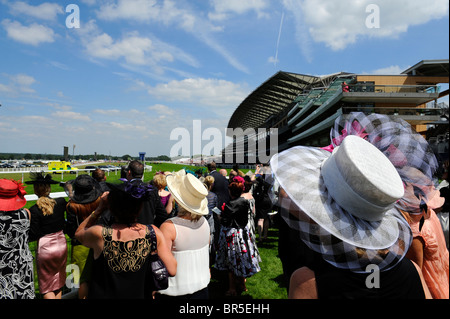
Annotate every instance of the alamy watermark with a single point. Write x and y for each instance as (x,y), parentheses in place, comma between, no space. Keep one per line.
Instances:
(73,19)
(373,279)
(249,145)
(73,279)
(373,19)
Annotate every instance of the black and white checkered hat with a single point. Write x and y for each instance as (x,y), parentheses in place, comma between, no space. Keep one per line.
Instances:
(344,239)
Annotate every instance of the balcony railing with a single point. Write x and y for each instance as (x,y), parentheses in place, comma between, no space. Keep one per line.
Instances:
(359,87)
(395,111)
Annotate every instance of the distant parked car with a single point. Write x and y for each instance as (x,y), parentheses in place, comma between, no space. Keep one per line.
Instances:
(91,167)
(104,168)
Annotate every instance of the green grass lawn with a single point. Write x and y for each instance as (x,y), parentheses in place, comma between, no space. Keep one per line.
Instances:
(266,284)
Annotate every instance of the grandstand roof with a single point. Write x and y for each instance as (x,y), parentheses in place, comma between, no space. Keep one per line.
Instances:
(429,68)
(275,95)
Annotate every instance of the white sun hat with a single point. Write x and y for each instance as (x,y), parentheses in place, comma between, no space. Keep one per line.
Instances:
(189,192)
(342,202)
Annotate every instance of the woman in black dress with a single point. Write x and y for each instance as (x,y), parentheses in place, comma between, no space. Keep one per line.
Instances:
(121,251)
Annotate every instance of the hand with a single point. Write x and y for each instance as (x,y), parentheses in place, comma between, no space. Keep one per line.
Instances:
(103,203)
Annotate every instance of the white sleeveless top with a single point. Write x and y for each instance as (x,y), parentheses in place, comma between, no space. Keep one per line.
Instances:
(191,250)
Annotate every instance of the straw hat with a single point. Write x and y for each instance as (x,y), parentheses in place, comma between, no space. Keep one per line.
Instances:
(189,192)
(12,195)
(341,198)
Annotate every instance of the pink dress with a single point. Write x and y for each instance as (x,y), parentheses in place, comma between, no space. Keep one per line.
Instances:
(436,258)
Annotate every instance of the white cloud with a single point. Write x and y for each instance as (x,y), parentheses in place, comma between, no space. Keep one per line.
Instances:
(223,9)
(34,34)
(272,60)
(161,109)
(44,11)
(204,92)
(23,80)
(111,112)
(338,25)
(89,2)
(390,70)
(69,115)
(170,13)
(135,49)
(128,127)
(18,83)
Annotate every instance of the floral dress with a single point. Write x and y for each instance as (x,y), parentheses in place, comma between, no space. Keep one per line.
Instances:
(16,260)
(236,251)
(251,227)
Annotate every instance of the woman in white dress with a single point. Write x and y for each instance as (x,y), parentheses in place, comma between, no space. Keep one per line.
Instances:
(188,236)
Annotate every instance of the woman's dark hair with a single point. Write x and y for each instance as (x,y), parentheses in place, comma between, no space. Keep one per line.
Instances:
(124,207)
(247,184)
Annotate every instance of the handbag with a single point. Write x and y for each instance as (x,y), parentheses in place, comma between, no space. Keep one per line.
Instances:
(159,276)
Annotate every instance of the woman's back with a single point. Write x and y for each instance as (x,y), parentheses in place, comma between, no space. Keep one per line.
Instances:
(191,235)
(191,250)
(165,197)
(122,267)
(42,225)
(436,258)
(400,282)
(16,272)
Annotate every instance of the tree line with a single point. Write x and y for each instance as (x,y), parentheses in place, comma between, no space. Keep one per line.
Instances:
(57,157)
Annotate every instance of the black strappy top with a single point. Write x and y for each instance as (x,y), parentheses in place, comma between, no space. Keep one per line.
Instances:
(121,269)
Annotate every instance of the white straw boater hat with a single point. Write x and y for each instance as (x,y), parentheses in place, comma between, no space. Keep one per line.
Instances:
(341,198)
(189,192)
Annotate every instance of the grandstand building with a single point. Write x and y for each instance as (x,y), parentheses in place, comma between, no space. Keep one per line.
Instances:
(297,109)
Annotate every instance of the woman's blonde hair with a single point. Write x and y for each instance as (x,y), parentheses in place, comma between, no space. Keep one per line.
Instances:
(159,180)
(44,203)
(184,212)
(209,181)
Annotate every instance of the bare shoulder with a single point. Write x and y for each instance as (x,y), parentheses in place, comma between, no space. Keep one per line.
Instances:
(96,230)
(303,284)
(168,228)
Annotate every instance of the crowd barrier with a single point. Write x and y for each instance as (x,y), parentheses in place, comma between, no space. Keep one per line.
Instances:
(59,172)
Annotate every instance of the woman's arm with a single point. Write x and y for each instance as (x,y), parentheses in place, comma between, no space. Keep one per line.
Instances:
(424,285)
(415,252)
(35,225)
(169,206)
(303,284)
(168,230)
(164,252)
(88,233)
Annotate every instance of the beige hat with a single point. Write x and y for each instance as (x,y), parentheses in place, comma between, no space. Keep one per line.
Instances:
(189,192)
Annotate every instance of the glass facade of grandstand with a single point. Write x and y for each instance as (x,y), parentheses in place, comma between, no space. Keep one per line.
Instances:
(302,108)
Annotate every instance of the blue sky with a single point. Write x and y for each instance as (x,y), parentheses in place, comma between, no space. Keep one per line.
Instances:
(135,70)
